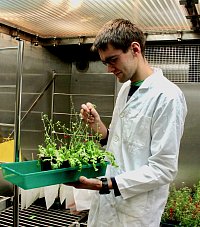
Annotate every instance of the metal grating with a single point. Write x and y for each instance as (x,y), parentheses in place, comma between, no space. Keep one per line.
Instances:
(180,64)
(39,216)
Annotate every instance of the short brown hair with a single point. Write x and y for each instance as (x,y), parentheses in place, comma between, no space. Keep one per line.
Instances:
(120,34)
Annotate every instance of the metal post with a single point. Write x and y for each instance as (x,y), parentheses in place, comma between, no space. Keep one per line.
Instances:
(17,126)
(52,93)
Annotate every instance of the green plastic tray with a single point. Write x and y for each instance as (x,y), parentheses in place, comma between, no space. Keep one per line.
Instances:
(28,174)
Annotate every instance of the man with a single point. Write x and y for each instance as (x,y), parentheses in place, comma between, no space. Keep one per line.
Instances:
(144,134)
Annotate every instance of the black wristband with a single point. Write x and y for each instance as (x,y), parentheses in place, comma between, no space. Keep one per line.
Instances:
(103,142)
(115,187)
(105,188)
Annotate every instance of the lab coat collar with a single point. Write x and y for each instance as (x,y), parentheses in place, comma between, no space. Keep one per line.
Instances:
(155,77)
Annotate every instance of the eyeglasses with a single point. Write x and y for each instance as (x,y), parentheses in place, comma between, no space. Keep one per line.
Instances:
(111,60)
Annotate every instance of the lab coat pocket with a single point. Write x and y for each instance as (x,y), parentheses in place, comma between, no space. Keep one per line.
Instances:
(133,207)
(103,212)
(137,134)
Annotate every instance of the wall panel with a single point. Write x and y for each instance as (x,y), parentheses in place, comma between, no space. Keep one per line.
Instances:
(38,66)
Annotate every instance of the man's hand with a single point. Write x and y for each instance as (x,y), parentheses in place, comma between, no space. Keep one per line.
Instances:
(89,114)
(85,183)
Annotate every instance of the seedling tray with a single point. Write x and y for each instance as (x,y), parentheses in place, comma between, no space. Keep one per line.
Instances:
(28,174)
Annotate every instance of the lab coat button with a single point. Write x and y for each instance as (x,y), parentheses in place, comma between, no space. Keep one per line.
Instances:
(122,115)
(116,138)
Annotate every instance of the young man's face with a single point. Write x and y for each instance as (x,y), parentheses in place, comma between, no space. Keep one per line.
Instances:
(122,65)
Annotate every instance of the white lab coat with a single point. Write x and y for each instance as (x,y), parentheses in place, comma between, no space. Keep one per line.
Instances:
(145,135)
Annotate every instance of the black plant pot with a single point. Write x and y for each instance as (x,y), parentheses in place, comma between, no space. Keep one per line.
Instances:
(65,164)
(170,223)
(46,163)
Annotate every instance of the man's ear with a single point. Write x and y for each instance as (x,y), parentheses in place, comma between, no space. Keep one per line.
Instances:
(135,47)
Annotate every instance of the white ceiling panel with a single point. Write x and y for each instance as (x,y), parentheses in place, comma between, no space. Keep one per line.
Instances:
(74,18)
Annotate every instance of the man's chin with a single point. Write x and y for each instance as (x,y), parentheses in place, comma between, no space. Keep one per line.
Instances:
(121,80)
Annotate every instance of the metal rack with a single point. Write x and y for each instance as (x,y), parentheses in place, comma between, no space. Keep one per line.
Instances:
(75,95)
(39,216)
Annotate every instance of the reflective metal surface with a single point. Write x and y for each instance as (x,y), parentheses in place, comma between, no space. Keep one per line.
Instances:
(76,18)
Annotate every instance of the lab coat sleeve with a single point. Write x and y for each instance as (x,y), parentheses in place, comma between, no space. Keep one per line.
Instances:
(166,132)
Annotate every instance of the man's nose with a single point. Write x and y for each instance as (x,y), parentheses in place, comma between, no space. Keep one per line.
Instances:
(110,68)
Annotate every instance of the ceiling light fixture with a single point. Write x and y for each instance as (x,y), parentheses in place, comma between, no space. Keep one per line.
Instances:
(81,40)
(179,36)
(54,42)
(35,41)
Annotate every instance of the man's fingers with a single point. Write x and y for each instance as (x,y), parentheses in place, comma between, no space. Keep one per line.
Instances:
(87,107)
(83,180)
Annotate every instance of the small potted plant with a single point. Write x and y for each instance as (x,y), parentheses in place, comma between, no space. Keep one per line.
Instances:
(75,146)
(183,207)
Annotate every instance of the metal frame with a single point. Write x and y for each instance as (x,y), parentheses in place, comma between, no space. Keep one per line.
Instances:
(17,122)
(17,142)
(193,15)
